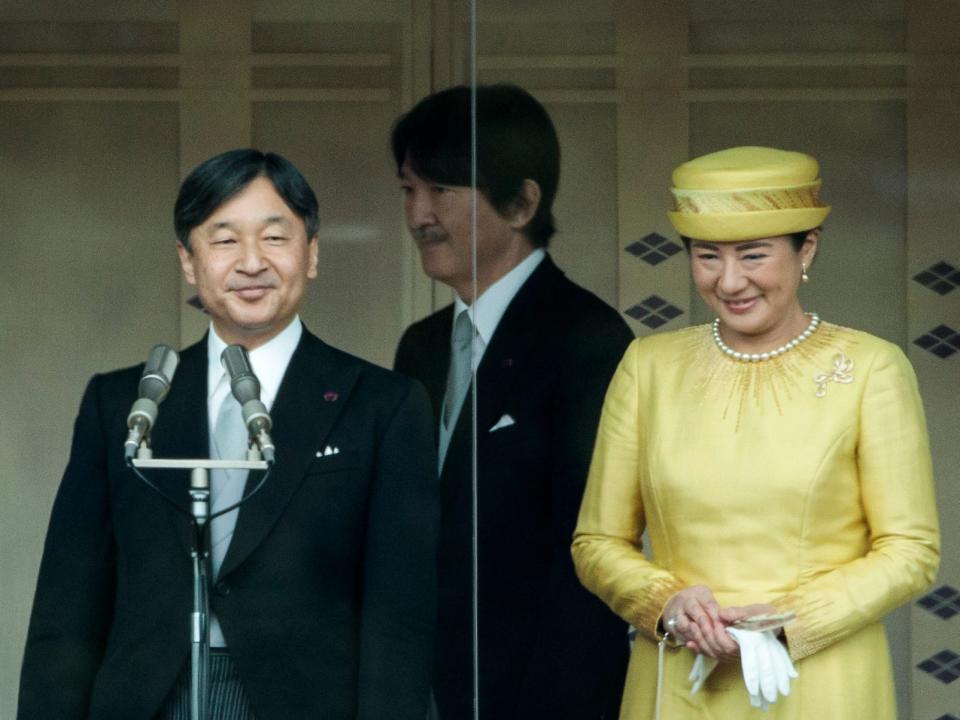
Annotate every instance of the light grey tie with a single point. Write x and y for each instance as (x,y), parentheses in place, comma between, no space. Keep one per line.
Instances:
(458,377)
(229,442)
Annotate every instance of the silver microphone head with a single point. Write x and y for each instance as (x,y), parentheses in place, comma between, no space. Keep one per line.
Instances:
(158,372)
(243,382)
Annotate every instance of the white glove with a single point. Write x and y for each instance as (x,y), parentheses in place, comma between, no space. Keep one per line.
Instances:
(767,669)
(702,667)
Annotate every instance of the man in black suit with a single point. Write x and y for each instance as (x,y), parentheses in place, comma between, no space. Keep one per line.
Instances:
(325,596)
(544,350)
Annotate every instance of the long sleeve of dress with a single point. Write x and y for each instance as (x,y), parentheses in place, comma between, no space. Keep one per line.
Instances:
(607,548)
(897,495)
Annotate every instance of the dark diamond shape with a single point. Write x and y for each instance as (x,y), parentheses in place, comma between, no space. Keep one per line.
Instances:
(654,321)
(948,716)
(669,249)
(945,666)
(637,248)
(955,341)
(654,258)
(942,278)
(945,591)
(944,602)
(654,301)
(670,312)
(946,612)
(942,351)
(637,312)
(655,239)
(947,676)
(926,341)
(942,331)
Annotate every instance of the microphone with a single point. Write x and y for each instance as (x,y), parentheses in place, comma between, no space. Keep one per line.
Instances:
(246,389)
(153,387)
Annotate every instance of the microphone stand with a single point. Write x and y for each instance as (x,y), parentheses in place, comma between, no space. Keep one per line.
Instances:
(200,555)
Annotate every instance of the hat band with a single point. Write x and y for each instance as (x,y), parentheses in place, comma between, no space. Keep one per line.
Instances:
(744,201)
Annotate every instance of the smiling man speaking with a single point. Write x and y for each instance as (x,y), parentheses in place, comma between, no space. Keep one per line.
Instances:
(324,593)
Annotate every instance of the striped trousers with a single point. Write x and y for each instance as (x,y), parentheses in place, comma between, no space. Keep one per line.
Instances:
(228,701)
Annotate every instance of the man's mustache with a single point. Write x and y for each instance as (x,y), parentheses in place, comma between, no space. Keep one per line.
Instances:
(428,235)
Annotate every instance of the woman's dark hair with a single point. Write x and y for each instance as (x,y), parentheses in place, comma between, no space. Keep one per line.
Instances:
(515,140)
(218,179)
(797,240)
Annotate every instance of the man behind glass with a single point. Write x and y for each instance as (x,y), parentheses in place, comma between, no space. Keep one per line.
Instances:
(544,350)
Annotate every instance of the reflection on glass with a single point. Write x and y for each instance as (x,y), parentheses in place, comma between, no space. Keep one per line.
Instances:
(543,349)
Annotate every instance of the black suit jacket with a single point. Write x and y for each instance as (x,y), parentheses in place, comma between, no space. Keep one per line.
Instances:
(547,647)
(327,595)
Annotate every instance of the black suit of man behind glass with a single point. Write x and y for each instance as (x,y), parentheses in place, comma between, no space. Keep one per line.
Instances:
(547,647)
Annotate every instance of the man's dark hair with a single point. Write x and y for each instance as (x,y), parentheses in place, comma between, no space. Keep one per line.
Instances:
(515,140)
(218,179)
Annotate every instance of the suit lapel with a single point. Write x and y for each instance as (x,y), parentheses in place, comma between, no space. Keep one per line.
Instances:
(504,359)
(314,391)
(515,336)
(181,431)
(437,363)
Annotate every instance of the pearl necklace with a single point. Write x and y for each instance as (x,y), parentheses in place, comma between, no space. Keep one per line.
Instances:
(758,357)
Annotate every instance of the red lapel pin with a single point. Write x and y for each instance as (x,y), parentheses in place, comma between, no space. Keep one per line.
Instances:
(330,396)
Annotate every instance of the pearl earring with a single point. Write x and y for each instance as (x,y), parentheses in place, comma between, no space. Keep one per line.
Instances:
(803,273)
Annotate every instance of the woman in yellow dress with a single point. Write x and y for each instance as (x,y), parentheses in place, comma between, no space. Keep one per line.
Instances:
(779,464)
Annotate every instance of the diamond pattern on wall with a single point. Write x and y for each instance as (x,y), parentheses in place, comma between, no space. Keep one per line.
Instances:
(943,602)
(944,666)
(653,248)
(941,278)
(948,716)
(654,312)
(942,341)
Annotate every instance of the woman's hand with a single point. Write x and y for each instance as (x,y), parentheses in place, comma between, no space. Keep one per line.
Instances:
(694,618)
(732,615)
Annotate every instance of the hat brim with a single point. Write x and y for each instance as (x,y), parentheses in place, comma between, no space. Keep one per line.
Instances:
(740,226)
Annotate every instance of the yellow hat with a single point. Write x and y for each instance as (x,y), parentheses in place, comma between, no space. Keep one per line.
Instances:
(746,193)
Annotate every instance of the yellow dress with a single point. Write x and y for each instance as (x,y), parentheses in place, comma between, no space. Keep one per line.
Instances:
(803,481)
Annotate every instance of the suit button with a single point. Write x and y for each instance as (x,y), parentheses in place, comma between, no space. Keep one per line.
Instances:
(222,589)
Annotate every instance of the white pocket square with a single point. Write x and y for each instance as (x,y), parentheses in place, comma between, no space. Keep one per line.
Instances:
(328,450)
(505,421)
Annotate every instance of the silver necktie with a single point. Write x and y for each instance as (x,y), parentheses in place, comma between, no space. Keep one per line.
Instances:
(230,442)
(461,369)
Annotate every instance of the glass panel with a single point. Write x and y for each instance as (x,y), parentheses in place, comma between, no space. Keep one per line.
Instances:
(633,89)
(547,277)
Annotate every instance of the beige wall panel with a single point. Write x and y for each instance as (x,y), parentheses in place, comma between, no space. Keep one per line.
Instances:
(653,137)
(89,10)
(90,283)
(934,161)
(585,245)
(343,150)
